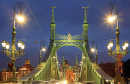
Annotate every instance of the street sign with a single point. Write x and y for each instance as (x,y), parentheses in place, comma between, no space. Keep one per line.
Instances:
(119,64)
(119,56)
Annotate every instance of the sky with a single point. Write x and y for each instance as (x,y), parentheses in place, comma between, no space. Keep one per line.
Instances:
(69,17)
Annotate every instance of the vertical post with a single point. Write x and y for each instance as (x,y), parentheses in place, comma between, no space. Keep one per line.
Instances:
(63,68)
(118,76)
(76,69)
(13,47)
(40,55)
(117,36)
(96,53)
(94,43)
(43,48)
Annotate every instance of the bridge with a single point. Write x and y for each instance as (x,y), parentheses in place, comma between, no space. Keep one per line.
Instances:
(48,69)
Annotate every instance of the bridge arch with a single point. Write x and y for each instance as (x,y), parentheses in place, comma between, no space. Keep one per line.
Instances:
(78,46)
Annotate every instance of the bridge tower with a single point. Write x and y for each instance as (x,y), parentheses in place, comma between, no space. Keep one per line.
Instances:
(52,25)
(49,66)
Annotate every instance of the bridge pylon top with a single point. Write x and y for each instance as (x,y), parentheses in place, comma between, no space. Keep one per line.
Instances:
(53,7)
(52,19)
(85,8)
(85,16)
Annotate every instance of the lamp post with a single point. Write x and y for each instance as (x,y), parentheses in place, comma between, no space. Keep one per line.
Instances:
(76,68)
(117,54)
(43,49)
(93,49)
(12,53)
(64,77)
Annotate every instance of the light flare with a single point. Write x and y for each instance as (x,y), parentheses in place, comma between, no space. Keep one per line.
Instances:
(20,18)
(111,18)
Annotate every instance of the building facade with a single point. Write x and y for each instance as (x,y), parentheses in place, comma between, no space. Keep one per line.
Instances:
(70,72)
(20,72)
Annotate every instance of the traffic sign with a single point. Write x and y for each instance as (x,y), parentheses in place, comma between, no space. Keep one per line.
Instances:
(119,64)
(119,56)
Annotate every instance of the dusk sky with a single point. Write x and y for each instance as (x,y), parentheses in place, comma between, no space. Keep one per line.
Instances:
(69,17)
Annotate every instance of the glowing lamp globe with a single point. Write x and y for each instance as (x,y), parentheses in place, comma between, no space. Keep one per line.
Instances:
(3,43)
(7,46)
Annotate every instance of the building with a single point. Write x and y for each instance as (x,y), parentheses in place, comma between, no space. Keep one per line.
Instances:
(20,72)
(70,72)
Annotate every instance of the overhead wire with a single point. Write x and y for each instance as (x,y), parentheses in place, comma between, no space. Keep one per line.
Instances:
(88,7)
(41,28)
(36,21)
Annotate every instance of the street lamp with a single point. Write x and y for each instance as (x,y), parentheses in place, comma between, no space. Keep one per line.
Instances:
(12,53)
(76,68)
(64,68)
(93,49)
(43,49)
(117,54)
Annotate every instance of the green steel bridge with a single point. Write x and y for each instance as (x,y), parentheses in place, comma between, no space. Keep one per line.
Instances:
(49,69)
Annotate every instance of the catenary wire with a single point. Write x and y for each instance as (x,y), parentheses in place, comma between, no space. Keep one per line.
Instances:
(36,21)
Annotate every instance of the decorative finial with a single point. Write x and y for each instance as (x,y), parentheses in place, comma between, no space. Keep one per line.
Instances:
(53,7)
(85,16)
(85,8)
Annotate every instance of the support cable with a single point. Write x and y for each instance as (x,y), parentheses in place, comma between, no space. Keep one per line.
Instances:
(88,6)
(36,21)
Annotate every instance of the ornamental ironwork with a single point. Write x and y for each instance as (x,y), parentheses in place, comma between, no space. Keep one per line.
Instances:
(68,37)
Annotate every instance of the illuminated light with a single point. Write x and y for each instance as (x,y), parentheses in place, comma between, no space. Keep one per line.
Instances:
(83,57)
(19,44)
(92,49)
(7,46)
(3,43)
(20,18)
(68,34)
(43,49)
(126,44)
(23,69)
(106,80)
(124,47)
(108,47)
(64,82)
(111,44)
(111,18)
(23,46)
(54,57)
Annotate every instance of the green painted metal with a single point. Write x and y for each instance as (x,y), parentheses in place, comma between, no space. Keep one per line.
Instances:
(49,67)
(76,68)
(52,25)
(63,68)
